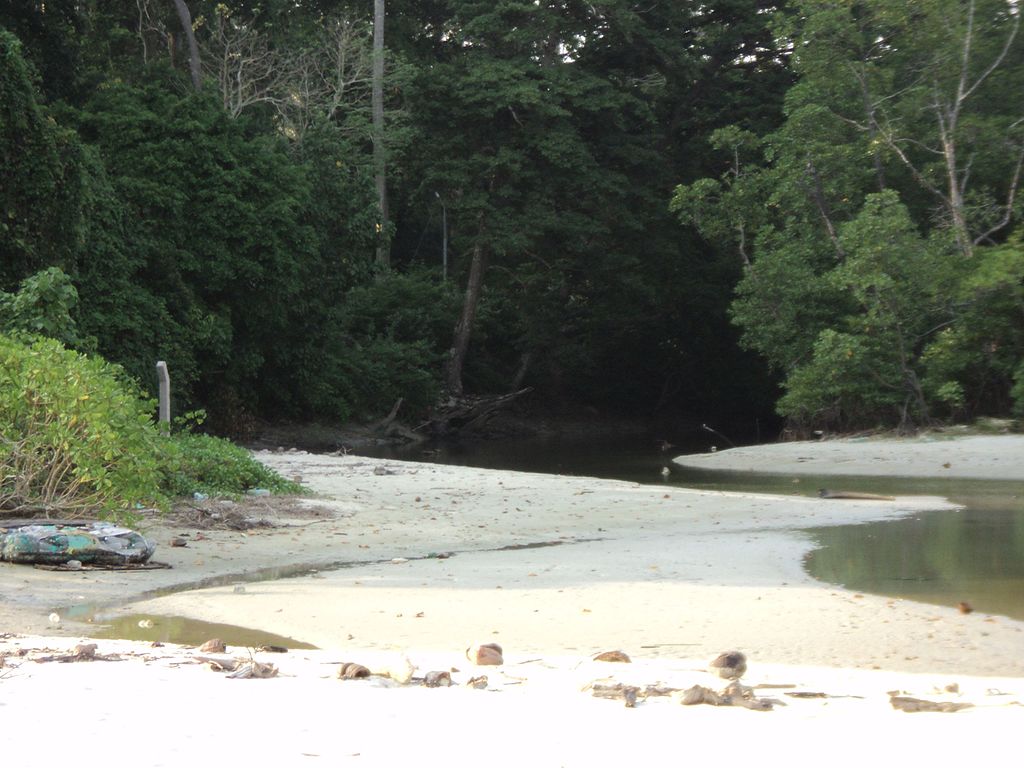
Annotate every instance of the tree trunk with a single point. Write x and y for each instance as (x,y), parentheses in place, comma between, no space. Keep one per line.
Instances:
(379,160)
(193,47)
(464,328)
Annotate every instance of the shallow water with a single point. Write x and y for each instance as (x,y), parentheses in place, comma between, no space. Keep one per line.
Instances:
(182,631)
(973,555)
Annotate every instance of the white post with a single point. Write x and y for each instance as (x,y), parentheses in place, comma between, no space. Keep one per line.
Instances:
(165,397)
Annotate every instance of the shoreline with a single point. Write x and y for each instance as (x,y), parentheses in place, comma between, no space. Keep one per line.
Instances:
(555,569)
(980,457)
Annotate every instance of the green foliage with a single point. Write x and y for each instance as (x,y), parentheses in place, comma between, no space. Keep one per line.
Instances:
(196,463)
(179,166)
(121,306)
(52,35)
(385,340)
(867,286)
(74,437)
(981,355)
(43,306)
(850,379)
(235,240)
(38,181)
(785,299)
(728,211)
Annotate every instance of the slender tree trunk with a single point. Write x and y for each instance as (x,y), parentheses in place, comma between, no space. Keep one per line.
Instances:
(872,125)
(193,47)
(379,160)
(464,327)
(818,195)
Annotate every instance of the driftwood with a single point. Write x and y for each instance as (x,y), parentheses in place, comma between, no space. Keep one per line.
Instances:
(629,693)
(152,565)
(825,493)
(461,415)
(734,695)
(82,652)
(910,704)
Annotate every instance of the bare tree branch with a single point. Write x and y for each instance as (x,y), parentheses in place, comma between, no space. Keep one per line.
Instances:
(1011,195)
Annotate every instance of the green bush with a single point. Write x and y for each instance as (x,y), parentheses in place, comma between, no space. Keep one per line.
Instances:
(74,437)
(43,305)
(211,465)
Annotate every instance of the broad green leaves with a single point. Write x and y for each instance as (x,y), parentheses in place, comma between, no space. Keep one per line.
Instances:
(897,160)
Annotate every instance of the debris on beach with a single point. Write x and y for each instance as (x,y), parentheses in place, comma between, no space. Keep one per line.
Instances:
(734,695)
(910,704)
(81,652)
(86,542)
(217,665)
(239,669)
(272,648)
(401,671)
(440,679)
(613,656)
(825,493)
(352,671)
(253,669)
(730,665)
(629,693)
(486,654)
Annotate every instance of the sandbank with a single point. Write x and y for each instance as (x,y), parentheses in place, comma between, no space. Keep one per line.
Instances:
(985,457)
(555,569)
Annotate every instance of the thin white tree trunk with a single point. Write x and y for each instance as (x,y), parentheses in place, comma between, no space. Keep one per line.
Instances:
(379,159)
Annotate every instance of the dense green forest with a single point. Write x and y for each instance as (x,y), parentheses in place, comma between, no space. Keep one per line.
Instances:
(719,212)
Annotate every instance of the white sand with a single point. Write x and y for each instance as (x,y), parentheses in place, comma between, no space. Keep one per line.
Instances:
(670,576)
(986,457)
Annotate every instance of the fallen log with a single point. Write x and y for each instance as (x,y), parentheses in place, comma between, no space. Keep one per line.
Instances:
(465,414)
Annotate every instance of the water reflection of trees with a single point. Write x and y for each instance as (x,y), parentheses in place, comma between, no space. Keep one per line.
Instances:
(975,555)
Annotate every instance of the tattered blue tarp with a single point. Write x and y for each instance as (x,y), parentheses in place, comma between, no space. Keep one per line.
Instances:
(90,543)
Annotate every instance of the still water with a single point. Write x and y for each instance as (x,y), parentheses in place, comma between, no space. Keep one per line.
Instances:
(974,555)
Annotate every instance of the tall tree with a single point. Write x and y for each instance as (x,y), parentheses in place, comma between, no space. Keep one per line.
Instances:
(379,152)
(897,159)
(194,64)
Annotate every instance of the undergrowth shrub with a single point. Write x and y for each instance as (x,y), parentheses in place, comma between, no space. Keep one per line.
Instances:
(75,437)
(196,463)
